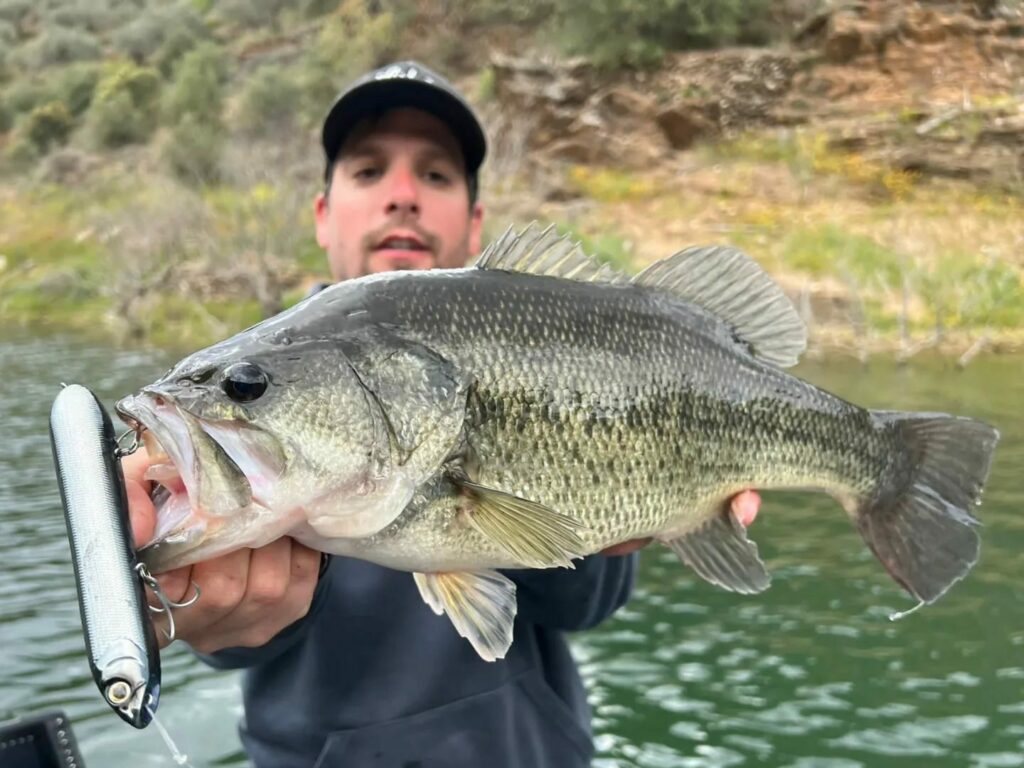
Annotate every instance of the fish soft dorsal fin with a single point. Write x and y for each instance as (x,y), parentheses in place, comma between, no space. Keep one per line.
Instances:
(540,251)
(734,288)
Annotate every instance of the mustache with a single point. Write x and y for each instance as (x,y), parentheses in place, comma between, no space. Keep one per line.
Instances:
(372,238)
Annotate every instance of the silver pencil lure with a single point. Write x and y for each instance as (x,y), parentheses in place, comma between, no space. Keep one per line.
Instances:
(120,641)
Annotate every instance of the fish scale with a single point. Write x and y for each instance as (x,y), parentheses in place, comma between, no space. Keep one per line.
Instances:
(638,400)
(640,446)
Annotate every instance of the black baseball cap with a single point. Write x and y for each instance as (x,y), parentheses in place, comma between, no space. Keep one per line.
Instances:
(405,84)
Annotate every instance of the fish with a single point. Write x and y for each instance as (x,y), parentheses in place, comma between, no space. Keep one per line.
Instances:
(534,408)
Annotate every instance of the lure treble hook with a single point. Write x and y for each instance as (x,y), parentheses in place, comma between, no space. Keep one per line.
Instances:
(166,604)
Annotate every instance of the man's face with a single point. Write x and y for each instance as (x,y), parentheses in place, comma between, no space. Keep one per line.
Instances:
(398,199)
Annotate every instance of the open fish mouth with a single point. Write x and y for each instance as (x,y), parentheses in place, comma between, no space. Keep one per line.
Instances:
(174,469)
(202,472)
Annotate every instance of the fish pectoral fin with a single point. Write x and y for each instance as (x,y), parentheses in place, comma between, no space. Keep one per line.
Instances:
(481,605)
(537,536)
(720,552)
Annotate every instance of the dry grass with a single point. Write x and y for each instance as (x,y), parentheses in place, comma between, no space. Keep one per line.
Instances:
(870,253)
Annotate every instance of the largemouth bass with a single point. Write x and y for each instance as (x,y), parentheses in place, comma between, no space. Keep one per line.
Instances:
(535,408)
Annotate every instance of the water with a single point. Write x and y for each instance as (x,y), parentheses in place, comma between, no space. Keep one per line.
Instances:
(810,674)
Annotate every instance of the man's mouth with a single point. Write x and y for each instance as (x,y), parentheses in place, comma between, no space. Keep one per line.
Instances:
(401,251)
(401,243)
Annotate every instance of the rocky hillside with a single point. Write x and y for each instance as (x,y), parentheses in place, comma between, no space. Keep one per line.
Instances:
(872,156)
(927,88)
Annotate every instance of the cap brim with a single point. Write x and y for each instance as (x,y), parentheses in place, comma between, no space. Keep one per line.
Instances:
(378,96)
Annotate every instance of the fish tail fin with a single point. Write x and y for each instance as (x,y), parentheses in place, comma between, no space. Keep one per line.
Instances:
(922,530)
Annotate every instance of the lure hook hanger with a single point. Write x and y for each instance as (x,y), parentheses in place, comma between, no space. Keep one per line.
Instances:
(166,604)
(121,451)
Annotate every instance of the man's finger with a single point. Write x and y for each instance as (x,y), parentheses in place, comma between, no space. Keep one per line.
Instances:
(141,512)
(269,573)
(626,547)
(223,582)
(177,584)
(134,466)
(745,506)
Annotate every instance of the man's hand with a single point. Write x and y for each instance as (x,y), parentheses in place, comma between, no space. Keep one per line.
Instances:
(744,506)
(247,596)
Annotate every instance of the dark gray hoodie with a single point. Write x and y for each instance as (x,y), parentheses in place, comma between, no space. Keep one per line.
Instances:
(371,677)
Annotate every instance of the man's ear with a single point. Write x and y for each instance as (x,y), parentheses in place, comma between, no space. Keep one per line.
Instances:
(476,228)
(320,207)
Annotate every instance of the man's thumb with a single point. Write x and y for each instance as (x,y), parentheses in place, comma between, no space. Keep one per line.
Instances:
(141,512)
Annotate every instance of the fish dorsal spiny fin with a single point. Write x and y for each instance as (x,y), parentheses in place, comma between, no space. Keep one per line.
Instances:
(542,251)
(734,288)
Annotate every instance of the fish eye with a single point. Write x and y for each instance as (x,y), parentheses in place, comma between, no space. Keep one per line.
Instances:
(244,382)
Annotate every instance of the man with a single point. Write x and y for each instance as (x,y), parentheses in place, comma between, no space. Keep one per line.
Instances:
(348,666)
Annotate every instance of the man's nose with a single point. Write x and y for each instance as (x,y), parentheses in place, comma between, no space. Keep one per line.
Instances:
(403,193)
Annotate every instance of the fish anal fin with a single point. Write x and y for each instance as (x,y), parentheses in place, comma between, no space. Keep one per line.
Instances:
(538,537)
(480,604)
(720,552)
(734,288)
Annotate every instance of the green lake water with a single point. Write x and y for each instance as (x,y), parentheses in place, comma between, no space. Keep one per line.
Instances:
(811,673)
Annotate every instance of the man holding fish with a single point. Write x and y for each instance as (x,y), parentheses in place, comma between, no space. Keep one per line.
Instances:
(505,435)
(344,663)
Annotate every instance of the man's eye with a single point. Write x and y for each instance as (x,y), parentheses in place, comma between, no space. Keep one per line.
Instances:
(438,177)
(367,172)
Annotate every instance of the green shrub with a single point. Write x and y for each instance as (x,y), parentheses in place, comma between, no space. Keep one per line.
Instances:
(75,85)
(268,104)
(198,87)
(356,38)
(194,150)
(252,13)
(177,43)
(8,36)
(56,46)
(25,94)
(49,125)
(115,121)
(123,110)
(487,12)
(314,9)
(638,33)
(142,84)
(90,15)
(20,155)
(145,37)
(15,11)
(6,117)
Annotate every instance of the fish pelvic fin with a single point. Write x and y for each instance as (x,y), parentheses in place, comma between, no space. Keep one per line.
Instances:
(735,289)
(924,532)
(720,552)
(538,537)
(480,604)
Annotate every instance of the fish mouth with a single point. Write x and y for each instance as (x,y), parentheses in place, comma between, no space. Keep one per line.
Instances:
(191,502)
(174,470)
